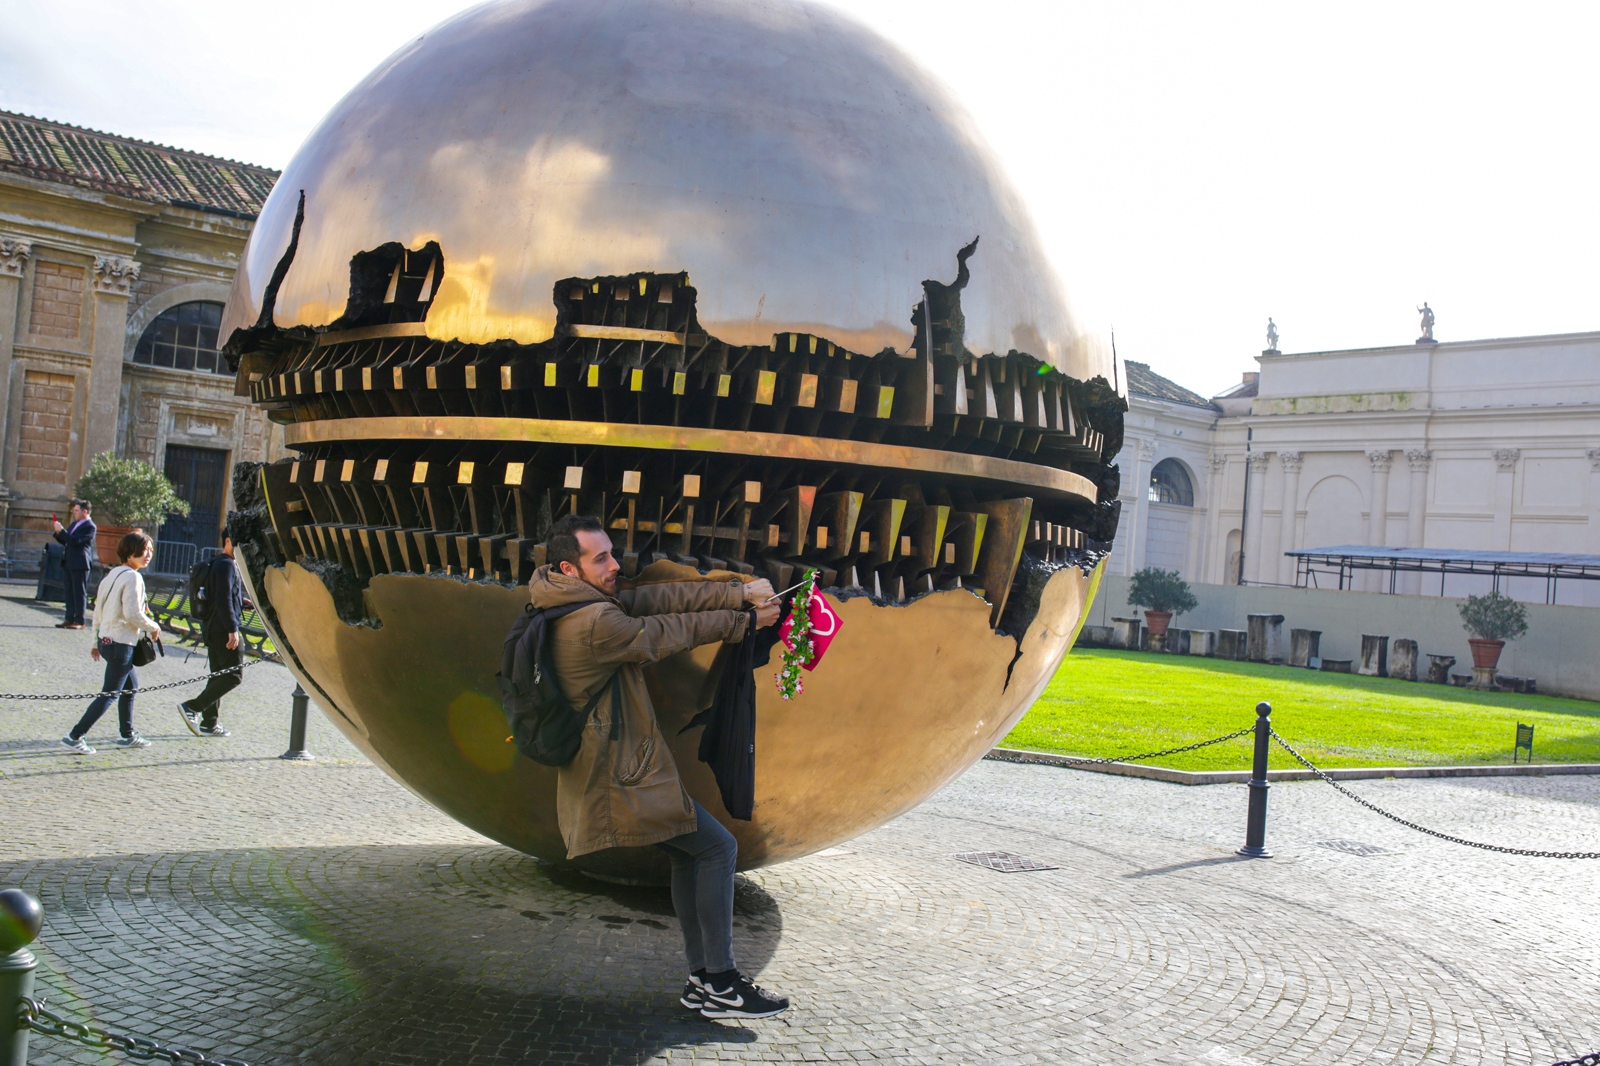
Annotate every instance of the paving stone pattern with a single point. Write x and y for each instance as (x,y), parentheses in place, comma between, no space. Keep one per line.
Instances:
(202,892)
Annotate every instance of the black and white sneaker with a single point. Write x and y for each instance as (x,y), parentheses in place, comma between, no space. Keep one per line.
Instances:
(215,731)
(694,991)
(741,999)
(190,718)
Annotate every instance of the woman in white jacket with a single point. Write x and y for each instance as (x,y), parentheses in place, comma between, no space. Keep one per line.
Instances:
(119,621)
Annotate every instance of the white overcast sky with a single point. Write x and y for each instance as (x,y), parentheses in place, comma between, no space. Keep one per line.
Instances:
(1193,167)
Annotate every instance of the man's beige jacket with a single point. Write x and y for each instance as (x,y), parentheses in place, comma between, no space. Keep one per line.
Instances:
(625,792)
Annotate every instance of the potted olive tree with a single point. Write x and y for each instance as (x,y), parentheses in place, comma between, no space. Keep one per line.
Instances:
(125,495)
(1492,620)
(1163,594)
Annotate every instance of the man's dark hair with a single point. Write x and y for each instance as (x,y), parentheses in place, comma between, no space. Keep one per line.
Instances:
(562,545)
(85,504)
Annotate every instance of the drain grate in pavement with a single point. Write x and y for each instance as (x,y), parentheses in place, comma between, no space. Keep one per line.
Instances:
(1353,847)
(1004,862)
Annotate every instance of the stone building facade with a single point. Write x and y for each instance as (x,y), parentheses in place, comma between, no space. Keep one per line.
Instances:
(1491,445)
(115,259)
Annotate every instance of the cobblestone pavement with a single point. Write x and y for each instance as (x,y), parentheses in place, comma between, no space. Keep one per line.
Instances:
(203,892)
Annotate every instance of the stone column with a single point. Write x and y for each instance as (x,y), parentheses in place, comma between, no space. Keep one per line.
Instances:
(1594,500)
(1256,471)
(1143,451)
(1215,569)
(1505,464)
(1291,508)
(1416,509)
(14,252)
(1378,512)
(113,277)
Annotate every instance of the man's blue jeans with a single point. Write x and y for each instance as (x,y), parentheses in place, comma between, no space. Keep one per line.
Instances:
(702,891)
(122,678)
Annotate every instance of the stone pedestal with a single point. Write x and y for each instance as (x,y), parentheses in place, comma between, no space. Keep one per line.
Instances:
(1483,676)
(1403,660)
(1374,655)
(1092,636)
(1336,666)
(1439,668)
(1231,643)
(1203,642)
(1265,641)
(1126,632)
(1305,646)
(1178,641)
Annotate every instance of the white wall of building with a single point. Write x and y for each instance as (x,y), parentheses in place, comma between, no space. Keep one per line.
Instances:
(1491,445)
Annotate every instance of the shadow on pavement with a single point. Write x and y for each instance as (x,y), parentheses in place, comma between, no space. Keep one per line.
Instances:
(365,954)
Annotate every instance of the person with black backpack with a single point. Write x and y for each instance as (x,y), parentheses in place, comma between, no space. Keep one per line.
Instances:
(216,601)
(618,785)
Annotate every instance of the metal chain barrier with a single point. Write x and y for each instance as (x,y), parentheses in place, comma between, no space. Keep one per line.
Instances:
(1075,761)
(1424,829)
(1591,1059)
(152,688)
(33,1014)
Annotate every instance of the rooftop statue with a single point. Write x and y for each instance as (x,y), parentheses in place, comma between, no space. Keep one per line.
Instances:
(1272,336)
(1427,322)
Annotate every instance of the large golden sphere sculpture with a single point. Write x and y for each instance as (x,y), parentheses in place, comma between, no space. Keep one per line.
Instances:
(734,275)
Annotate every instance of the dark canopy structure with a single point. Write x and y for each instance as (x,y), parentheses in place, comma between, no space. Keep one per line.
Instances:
(1343,560)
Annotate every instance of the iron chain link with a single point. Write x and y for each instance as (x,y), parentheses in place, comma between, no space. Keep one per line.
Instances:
(1075,761)
(119,692)
(32,1014)
(1591,1059)
(1424,829)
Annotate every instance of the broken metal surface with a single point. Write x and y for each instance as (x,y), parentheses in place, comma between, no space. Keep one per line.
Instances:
(488,322)
(807,175)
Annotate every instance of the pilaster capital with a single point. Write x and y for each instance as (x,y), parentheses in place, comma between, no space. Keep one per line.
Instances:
(1419,458)
(1594,459)
(1380,460)
(1147,448)
(1259,460)
(1505,459)
(14,252)
(1218,463)
(1291,461)
(114,274)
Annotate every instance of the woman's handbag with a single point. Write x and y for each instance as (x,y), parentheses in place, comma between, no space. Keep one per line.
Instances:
(144,652)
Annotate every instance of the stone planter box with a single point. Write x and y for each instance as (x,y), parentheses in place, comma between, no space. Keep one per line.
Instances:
(1203,642)
(1305,646)
(1127,633)
(1374,655)
(1231,643)
(1403,660)
(1439,668)
(1265,641)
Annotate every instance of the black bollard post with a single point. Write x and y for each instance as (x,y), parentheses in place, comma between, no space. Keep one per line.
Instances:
(297,729)
(20,918)
(1255,829)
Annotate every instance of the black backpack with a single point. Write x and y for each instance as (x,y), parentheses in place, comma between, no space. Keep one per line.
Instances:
(200,590)
(545,726)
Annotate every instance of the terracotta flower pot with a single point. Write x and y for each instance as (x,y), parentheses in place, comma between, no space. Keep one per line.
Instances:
(1486,653)
(1156,622)
(106,539)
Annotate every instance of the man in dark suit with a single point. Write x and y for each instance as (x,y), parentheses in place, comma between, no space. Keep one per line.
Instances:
(78,540)
(224,644)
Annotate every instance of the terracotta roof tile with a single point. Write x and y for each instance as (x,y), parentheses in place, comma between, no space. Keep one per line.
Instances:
(1143,381)
(55,151)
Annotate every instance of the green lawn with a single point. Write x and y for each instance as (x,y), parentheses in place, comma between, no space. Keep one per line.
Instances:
(1116,703)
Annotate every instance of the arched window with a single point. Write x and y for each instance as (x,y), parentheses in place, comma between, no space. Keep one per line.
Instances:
(184,338)
(1169,483)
